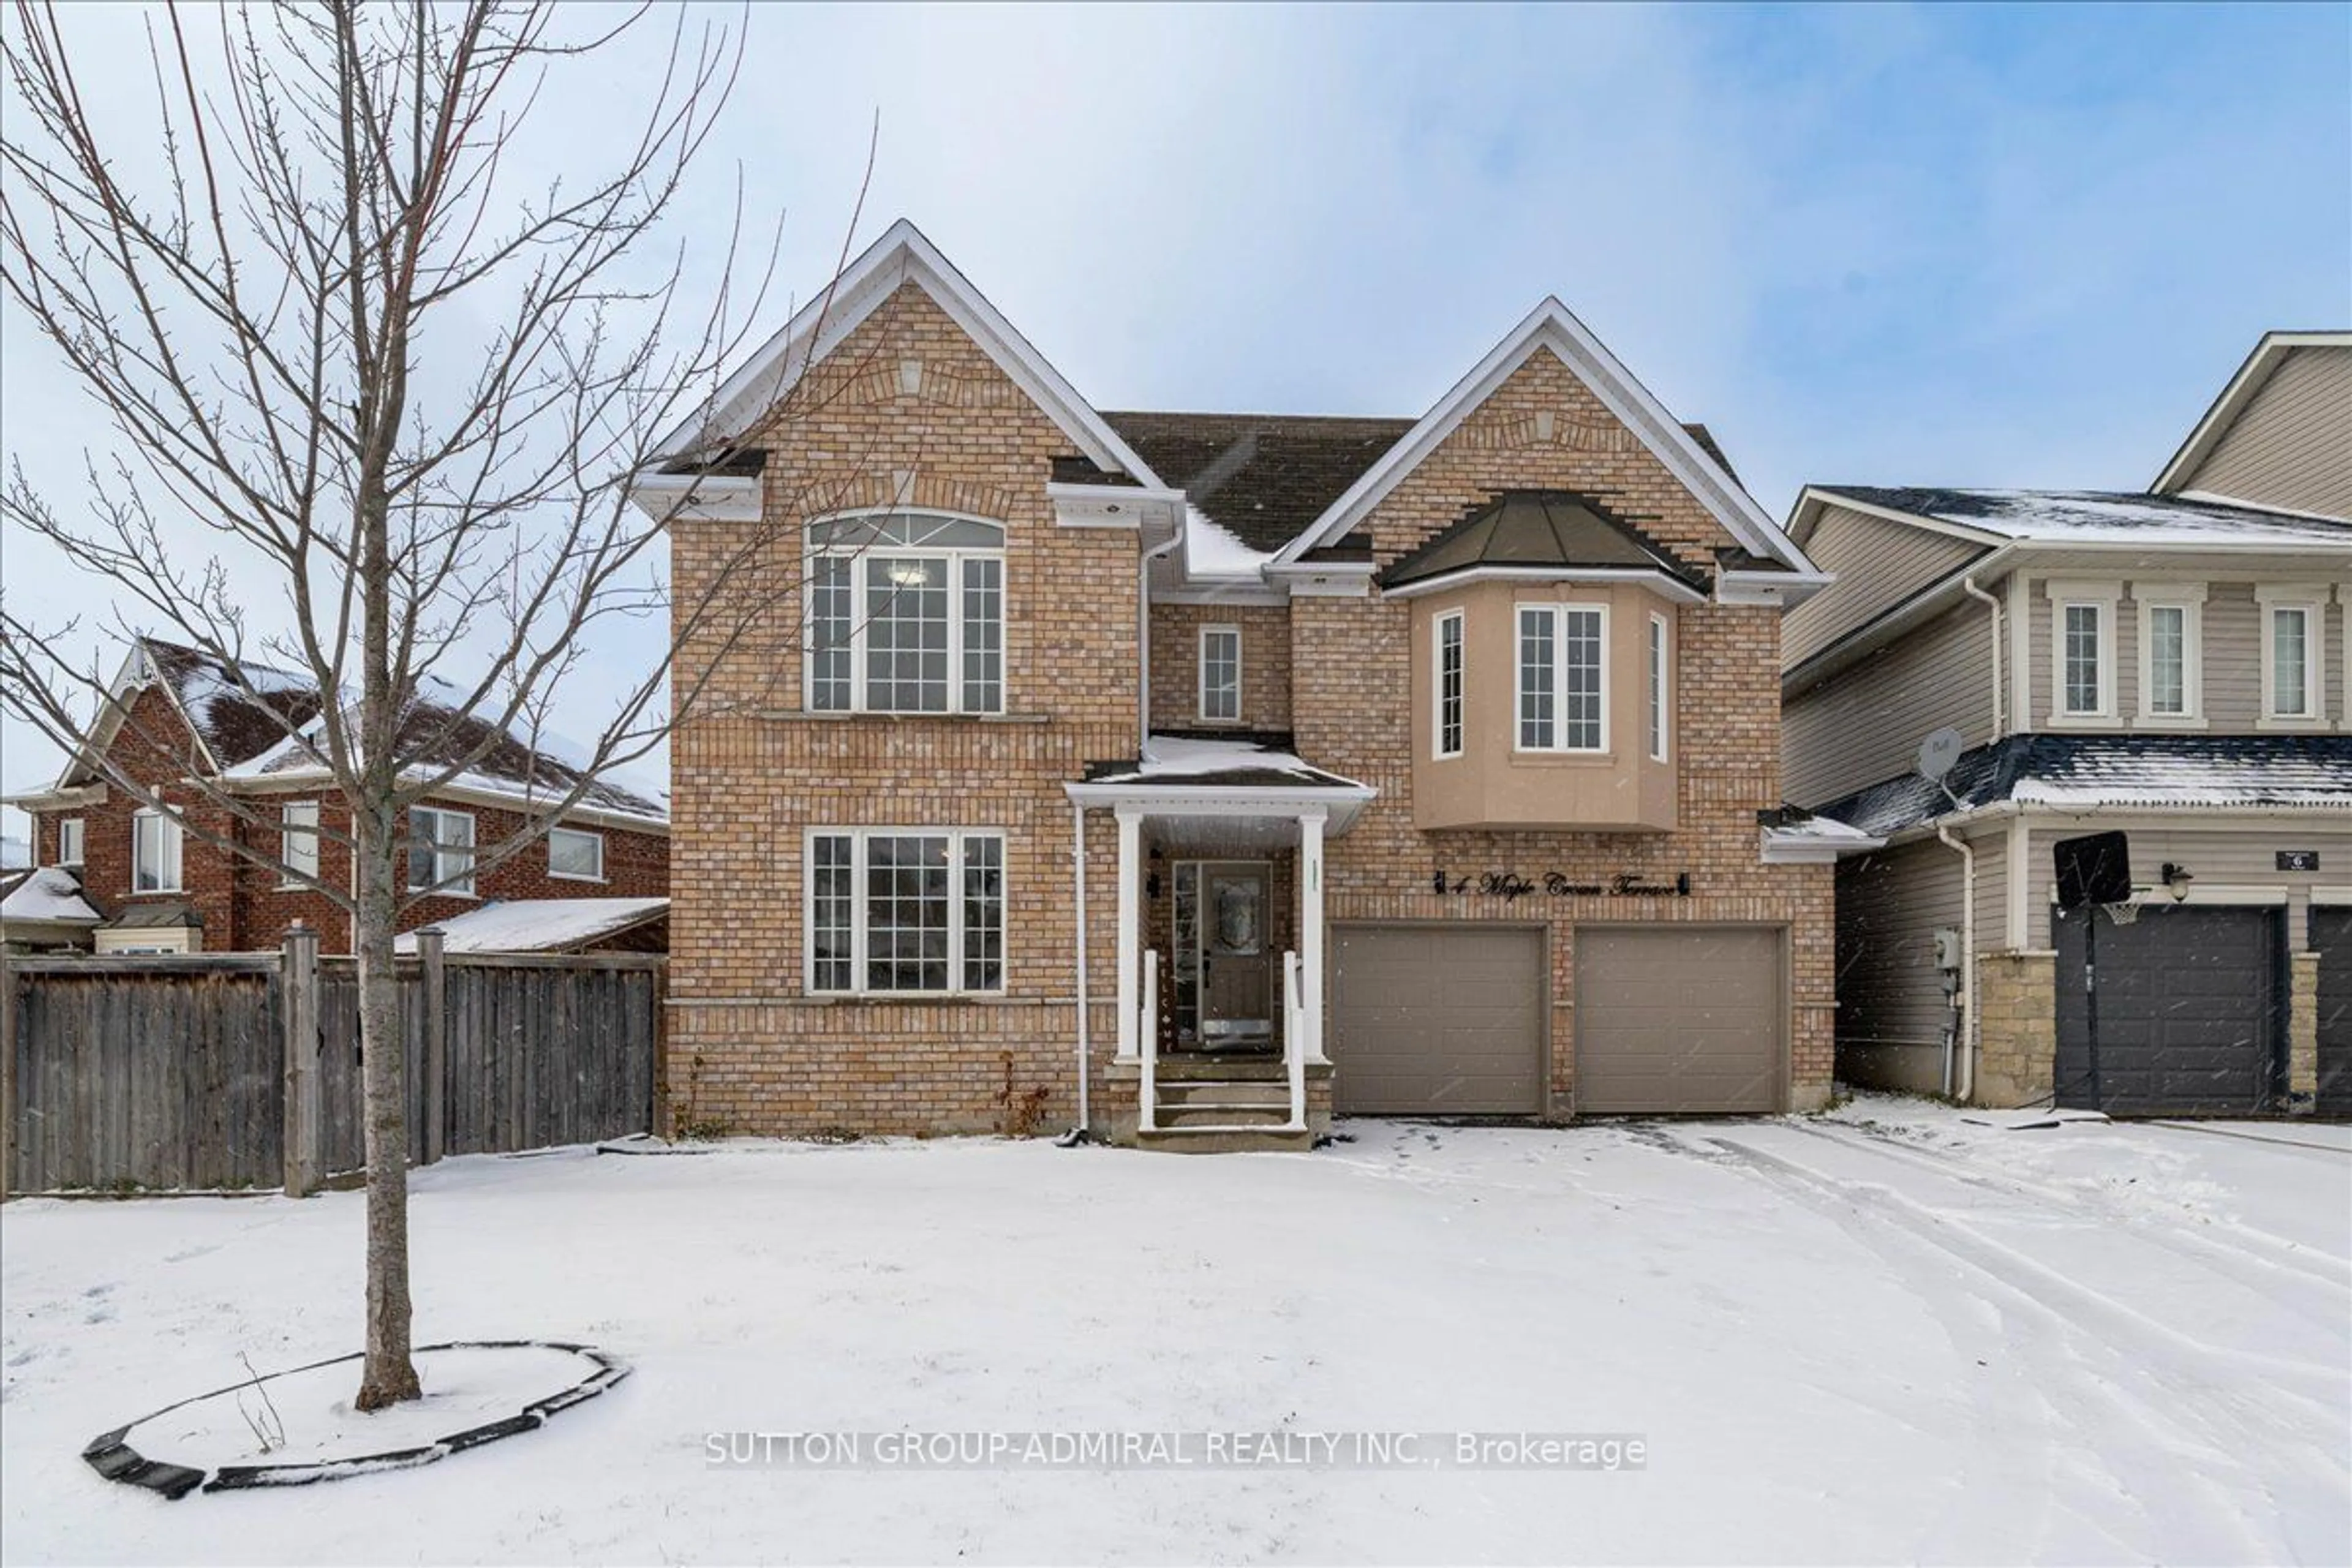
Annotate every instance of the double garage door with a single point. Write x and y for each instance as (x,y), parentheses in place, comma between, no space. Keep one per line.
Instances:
(1450,1020)
(2189,1017)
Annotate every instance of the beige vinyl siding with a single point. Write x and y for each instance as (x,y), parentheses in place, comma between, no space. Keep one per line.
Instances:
(1865,723)
(1891,1007)
(1878,565)
(2292,445)
(2232,627)
(2243,856)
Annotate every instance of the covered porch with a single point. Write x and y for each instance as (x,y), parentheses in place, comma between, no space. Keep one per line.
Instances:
(1218,982)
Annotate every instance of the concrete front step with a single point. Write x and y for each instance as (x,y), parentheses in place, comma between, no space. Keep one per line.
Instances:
(1225,1091)
(1227,1140)
(1223,1115)
(1192,1067)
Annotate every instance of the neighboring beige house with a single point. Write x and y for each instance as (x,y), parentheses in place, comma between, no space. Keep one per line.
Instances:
(1189,776)
(2174,664)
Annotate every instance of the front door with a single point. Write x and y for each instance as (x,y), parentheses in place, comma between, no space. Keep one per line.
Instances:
(1236,974)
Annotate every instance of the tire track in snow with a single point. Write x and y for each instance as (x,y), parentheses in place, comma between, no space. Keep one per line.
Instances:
(2182,1427)
(2265,1251)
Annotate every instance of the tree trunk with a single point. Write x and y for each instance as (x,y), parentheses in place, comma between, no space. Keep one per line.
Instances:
(388,1376)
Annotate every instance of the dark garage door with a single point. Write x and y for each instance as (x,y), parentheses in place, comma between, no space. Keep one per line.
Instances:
(2189,1010)
(1438,1020)
(2331,938)
(1678,1020)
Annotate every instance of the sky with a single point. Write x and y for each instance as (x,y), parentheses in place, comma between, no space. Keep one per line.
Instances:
(2013,246)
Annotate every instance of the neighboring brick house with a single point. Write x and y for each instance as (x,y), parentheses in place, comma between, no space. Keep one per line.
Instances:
(1425,765)
(2173,664)
(159,886)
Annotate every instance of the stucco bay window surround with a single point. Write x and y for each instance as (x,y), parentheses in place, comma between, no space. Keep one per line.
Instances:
(1545,662)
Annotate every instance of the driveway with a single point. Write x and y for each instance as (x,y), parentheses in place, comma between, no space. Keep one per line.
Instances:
(1890,1334)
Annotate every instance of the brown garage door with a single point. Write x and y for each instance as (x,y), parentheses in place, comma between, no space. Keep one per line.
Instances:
(1671,1019)
(1438,1020)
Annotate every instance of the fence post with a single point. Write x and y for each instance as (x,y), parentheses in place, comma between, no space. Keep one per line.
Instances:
(7,1075)
(436,1041)
(300,1012)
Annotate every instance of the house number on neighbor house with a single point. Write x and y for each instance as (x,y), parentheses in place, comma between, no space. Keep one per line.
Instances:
(1509,886)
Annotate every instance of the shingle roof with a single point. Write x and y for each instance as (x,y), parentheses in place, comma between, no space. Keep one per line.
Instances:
(2059,517)
(240,714)
(1536,528)
(2181,772)
(1262,477)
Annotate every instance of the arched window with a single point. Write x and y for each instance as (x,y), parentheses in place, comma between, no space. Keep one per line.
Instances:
(906,614)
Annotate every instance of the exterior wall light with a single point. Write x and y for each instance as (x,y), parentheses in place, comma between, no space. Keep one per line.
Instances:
(2176,878)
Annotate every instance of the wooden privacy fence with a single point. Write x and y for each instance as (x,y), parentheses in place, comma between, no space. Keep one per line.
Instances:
(243,1071)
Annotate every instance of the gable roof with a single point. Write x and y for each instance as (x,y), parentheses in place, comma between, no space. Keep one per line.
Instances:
(1537,530)
(234,712)
(2252,375)
(902,256)
(2079,772)
(1552,328)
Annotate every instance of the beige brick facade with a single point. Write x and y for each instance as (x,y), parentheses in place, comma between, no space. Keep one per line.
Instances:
(2017,998)
(908,409)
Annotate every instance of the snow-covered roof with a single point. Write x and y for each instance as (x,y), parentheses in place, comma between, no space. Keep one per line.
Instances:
(1806,840)
(49,893)
(1214,551)
(1196,759)
(540,925)
(530,771)
(2100,517)
(2182,773)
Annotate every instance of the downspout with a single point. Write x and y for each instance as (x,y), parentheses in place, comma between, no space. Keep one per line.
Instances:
(1999,691)
(1080,1133)
(1143,640)
(1964,1037)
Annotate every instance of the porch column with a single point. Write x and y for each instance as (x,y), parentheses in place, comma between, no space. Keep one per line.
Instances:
(1130,930)
(1310,928)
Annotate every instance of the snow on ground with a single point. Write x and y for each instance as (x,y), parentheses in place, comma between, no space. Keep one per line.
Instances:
(1888,1335)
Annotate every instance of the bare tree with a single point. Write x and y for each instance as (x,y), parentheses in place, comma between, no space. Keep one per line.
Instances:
(407,391)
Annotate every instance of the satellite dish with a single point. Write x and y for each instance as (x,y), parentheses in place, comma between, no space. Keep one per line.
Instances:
(1938,751)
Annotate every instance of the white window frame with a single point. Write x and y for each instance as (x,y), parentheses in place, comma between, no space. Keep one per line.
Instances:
(290,827)
(860,919)
(1560,613)
(593,837)
(861,561)
(2189,598)
(169,849)
(76,828)
(1459,699)
(443,885)
(1659,662)
(2103,598)
(2311,603)
(1201,698)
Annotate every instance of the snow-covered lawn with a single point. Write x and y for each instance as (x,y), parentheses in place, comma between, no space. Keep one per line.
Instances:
(1889,1334)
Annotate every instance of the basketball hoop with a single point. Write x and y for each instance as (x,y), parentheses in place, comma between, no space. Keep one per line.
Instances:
(2122,914)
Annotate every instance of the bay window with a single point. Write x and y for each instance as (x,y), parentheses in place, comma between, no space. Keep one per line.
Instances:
(440,850)
(906,615)
(1658,674)
(1562,678)
(154,852)
(1449,684)
(897,912)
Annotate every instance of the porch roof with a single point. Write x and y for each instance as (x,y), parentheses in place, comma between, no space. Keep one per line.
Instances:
(1186,775)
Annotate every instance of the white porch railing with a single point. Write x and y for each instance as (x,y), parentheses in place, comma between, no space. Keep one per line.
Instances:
(1147,1101)
(1294,1040)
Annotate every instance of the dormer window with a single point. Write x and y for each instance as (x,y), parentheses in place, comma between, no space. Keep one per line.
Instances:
(906,615)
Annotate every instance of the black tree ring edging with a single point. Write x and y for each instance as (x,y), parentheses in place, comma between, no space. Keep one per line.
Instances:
(111,1457)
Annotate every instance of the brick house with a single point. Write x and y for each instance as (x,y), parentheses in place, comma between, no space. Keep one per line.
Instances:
(2173,664)
(153,883)
(1192,776)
